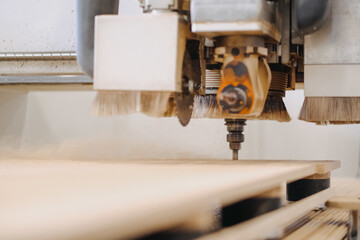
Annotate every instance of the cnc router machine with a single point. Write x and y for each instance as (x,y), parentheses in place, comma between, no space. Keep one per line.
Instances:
(225,59)
(229,59)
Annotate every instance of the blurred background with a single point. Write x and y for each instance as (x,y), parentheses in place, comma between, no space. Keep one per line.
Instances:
(55,122)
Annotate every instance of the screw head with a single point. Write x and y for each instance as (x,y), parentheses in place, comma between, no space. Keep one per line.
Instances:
(235,51)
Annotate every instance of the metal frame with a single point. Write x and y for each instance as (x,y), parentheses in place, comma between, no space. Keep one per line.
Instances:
(45,79)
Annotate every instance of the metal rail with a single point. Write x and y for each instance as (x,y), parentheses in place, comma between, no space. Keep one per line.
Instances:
(39,56)
(45,79)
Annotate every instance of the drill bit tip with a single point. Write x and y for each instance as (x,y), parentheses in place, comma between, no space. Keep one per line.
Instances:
(235,155)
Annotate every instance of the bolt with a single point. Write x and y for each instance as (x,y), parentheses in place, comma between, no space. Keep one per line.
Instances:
(235,51)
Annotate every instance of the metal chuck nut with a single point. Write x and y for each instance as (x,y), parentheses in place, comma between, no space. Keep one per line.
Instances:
(235,136)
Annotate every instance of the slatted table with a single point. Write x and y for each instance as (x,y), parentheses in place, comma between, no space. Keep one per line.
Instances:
(55,199)
(328,224)
(347,196)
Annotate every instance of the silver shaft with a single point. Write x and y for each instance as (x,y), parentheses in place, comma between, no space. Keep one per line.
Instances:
(235,155)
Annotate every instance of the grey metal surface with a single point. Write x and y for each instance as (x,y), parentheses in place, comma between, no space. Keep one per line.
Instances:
(235,136)
(185,100)
(149,5)
(39,67)
(229,17)
(45,79)
(184,107)
(232,10)
(41,56)
(86,11)
(15,65)
(212,80)
(338,41)
(157,4)
(310,15)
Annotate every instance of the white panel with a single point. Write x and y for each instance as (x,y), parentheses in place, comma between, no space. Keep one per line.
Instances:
(137,52)
(332,80)
(37,25)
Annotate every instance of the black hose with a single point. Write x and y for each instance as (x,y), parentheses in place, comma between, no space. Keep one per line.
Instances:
(310,15)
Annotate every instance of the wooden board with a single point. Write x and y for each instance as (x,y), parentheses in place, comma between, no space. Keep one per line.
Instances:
(42,199)
(347,193)
(322,167)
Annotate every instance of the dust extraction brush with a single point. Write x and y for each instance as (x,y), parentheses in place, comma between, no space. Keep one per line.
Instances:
(206,107)
(158,104)
(113,103)
(154,104)
(274,108)
(331,110)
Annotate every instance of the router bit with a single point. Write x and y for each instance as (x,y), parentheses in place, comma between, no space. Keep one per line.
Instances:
(235,136)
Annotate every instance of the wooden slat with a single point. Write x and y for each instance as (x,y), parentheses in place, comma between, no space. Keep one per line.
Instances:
(272,222)
(74,200)
(331,224)
(322,167)
(347,193)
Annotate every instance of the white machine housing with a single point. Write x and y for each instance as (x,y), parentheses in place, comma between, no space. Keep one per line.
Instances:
(332,54)
(139,52)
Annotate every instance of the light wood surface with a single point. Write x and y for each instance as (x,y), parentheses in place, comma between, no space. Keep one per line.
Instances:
(321,167)
(331,224)
(272,223)
(320,176)
(347,193)
(55,199)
